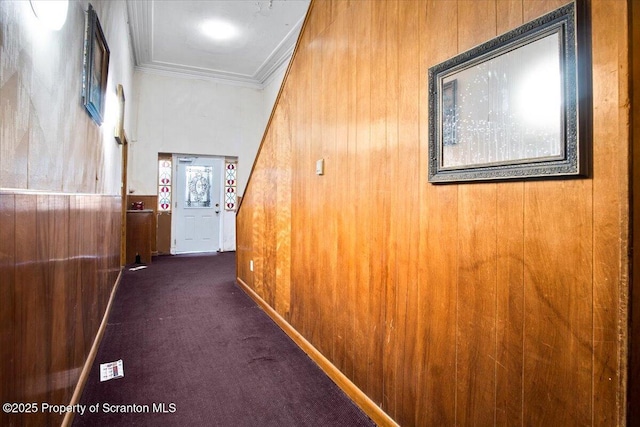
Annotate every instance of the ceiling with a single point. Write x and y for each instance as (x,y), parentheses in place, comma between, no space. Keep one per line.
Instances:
(168,37)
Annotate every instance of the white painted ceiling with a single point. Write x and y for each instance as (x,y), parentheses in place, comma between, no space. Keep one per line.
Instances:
(167,37)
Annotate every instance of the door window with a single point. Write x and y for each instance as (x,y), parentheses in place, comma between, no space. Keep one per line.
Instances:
(198,189)
(164,185)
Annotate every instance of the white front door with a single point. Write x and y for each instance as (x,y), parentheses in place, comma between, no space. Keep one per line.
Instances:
(197,204)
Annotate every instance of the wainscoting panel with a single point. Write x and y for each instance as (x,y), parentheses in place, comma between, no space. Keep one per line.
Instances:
(59,260)
(634,329)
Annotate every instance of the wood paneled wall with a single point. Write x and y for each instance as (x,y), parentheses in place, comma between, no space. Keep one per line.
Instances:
(59,261)
(469,304)
(634,330)
(150,202)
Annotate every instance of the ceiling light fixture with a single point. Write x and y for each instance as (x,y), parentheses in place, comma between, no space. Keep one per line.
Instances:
(52,13)
(219,30)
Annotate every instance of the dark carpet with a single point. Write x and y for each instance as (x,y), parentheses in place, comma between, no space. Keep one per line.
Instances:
(197,351)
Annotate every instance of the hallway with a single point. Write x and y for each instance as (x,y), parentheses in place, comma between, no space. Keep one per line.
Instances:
(190,339)
(502,299)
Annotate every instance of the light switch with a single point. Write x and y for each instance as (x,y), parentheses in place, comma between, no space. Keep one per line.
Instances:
(320,167)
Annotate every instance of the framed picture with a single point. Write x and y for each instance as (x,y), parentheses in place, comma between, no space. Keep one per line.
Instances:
(96,68)
(518,106)
(119,127)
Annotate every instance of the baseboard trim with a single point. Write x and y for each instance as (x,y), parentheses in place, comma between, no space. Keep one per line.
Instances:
(86,369)
(358,396)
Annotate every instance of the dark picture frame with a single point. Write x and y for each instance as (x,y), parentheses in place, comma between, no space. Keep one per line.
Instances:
(96,67)
(489,121)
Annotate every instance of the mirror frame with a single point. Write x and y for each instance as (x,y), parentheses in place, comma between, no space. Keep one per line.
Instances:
(571,23)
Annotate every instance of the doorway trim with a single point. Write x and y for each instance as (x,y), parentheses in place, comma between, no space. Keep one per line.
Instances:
(226,219)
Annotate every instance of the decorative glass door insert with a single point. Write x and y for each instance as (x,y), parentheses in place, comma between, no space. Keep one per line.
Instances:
(230,192)
(164,185)
(198,189)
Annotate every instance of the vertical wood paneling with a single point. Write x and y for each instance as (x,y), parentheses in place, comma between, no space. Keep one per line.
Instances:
(268,216)
(8,362)
(322,18)
(283,212)
(301,176)
(484,304)
(319,303)
(259,238)
(558,302)
(76,207)
(508,15)
(57,292)
(88,269)
(558,293)
(408,174)
(633,403)
(509,273)
(31,299)
(436,308)
(378,198)
(51,306)
(339,8)
(342,182)
(610,188)
(532,9)
(326,215)
(509,303)
(363,68)
(351,258)
(476,295)
(390,302)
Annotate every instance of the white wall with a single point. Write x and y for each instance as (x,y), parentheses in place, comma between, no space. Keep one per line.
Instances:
(183,115)
(114,20)
(48,142)
(194,116)
(272,87)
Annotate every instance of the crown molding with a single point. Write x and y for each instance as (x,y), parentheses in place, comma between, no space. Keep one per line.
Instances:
(183,73)
(281,54)
(141,27)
